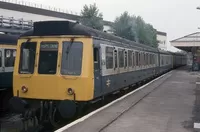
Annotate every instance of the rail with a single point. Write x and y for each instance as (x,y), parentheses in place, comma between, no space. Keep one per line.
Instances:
(40,6)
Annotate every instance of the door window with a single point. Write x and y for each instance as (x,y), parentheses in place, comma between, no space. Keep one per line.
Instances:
(10,55)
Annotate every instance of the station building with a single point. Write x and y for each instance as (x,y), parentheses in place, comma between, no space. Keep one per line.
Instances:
(191,44)
(162,40)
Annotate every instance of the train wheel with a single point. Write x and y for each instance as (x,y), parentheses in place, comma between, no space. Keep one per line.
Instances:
(56,119)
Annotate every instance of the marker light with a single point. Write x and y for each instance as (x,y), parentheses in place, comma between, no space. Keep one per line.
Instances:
(24,89)
(70,91)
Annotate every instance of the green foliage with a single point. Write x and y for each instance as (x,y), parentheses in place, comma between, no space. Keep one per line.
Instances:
(124,26)
(91,17)
(151,36)
(135,28)
(141,31)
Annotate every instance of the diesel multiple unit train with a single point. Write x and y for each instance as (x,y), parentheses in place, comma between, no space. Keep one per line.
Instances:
(60,65)
(7,56)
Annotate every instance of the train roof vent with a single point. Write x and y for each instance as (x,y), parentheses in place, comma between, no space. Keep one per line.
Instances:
(48,28)
(53,28)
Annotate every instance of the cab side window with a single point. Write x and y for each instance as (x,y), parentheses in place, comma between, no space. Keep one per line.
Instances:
(10,55)
(96,58)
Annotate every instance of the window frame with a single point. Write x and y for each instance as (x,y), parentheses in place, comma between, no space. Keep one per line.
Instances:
(112,57)
(40,43)
(137,58)
(12,50)
(20,58)
(130,58)
(115,55)
(125,58)
(81,70)
(133,59)
(122,57)
(96,58)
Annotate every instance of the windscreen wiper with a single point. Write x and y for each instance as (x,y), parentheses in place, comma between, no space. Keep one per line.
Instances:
(69,47)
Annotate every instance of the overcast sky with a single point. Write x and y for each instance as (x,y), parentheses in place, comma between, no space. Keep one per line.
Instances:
(175,17)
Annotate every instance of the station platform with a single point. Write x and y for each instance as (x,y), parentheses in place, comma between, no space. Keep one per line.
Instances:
(164,105)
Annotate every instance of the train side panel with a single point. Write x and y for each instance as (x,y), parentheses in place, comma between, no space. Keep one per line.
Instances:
(113,77)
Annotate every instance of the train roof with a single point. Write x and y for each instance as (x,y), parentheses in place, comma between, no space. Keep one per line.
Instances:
(8,39)
(51,28)
(163,51)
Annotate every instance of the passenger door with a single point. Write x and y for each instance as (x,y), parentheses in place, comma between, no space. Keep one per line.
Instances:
(9,59)
(97,72)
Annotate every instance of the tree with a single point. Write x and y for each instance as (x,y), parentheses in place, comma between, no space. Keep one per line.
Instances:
(91,17)
(151,35)
(141,31)
(124,26)
(135,28)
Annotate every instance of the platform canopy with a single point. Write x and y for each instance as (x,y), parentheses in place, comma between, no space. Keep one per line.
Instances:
(189,43)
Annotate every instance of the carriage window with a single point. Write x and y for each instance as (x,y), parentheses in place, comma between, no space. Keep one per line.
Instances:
(109,57)
(27,57)
(130,58)
(162,60)
(115,55)
(143,57)
(121,58)
(150,59)
(0,59)
(10,57)
(137,58)
(133,59)
(72,58)
(140,54)
(167,59)
(125,58)
(146,62)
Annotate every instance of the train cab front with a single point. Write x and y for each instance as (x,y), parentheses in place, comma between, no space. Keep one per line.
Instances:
(52,74)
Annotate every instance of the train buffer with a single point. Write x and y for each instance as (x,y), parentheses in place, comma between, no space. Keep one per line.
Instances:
(166,104)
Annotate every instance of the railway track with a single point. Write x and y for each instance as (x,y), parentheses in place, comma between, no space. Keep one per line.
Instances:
(14,123)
